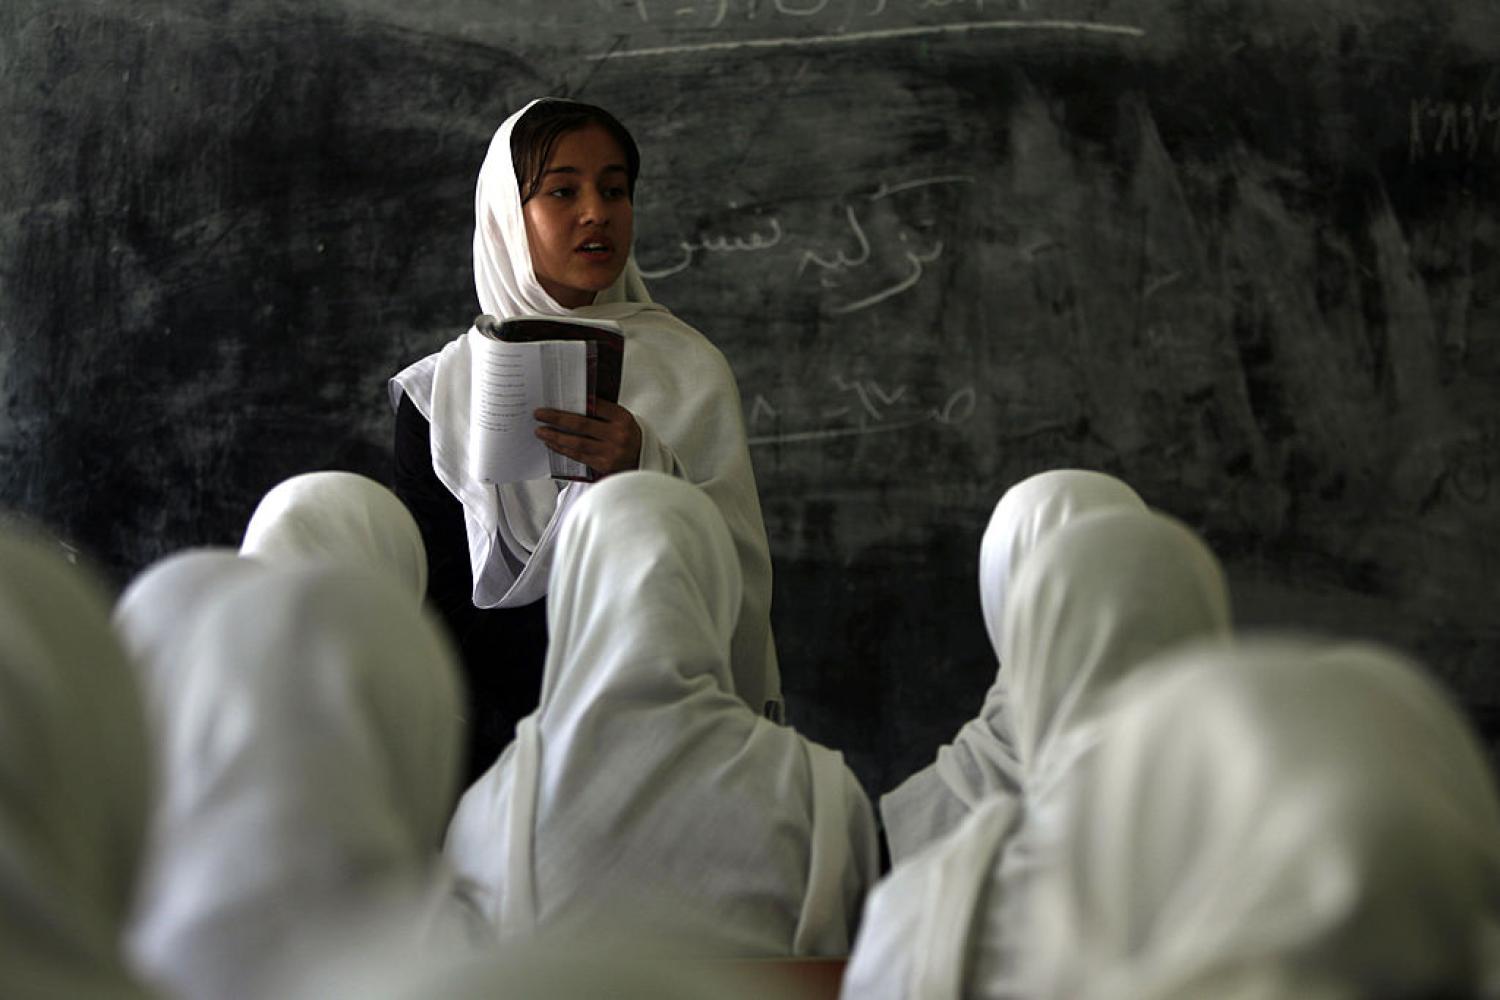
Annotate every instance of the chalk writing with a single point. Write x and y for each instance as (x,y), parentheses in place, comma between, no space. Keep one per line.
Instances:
(718,244)
(959,407)
(1157,284)
(903,253)
(859,407)
(718,9)
(886,190)
(1453,128)
(807,8)
(759,410)
(750,10)
(837,22)
(648,11)
(918,259)
(976,4)
(840,261)
(914,259)
(869,394)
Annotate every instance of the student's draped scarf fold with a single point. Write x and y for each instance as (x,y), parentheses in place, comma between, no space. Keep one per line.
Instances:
(642,789)
(678,386)
(1087,607)
(981,760)
(1286,818)
(74,781)
(308,730)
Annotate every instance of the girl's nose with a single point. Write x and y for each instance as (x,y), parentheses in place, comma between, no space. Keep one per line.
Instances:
(591,207)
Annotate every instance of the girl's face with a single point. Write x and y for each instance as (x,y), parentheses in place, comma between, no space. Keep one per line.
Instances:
(580,222)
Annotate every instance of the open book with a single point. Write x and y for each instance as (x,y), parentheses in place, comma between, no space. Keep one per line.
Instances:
(528,362)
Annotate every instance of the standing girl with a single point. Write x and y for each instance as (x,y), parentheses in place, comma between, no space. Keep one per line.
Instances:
(553,231)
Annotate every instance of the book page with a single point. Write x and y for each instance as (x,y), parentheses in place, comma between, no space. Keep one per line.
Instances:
(507,385)
(565,368)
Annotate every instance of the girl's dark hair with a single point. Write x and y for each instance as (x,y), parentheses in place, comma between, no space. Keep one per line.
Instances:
(535,135)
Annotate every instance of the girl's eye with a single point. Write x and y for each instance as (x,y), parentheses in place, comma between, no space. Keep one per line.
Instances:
(562,192)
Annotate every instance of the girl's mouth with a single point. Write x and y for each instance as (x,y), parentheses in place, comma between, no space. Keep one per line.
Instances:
(596,250)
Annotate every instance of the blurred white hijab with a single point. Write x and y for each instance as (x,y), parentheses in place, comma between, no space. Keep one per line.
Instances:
(310,733)
(1095,600)
(154,611)
(981,760)
(74,781)
(1284,819)
(642,784)
(341,518)
(677,385)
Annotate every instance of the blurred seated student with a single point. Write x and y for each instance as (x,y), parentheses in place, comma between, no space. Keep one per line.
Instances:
(554,217)
(1088,607)
(153,612)
(75,789)
(1289,818)
(309,731)
(643,784)
(981,760)
(338,517)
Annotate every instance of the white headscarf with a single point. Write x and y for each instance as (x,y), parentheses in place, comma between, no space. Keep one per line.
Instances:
(1284,819)
(981,760)
(677,385)
(1096,599)
(503,274)
(340,517)
(156,608)
(311,737)
(641,782)
(74,782)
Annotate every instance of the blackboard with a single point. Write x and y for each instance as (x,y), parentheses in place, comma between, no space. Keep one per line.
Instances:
(1245,255)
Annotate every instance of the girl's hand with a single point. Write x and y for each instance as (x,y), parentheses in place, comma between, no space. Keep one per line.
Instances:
(608,442)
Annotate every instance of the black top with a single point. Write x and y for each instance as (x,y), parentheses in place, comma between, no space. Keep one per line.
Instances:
(502,649)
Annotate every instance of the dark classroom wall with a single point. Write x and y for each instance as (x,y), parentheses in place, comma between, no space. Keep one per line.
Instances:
(1242,254)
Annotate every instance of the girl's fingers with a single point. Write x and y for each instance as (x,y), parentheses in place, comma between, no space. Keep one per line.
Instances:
(607,442)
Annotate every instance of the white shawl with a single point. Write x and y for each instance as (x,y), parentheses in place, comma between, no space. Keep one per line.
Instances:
(151,617)
(151,613)
(74,782)
(981,760)
(642,784)
(339,517)
(1087,607)
(678,386)
(1284,819)
(311,739)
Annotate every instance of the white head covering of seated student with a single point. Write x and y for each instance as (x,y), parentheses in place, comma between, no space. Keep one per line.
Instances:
(642,784)
(1089,605)
(1289,818)
(341,517)
(676,388)
(981,760)
(156,610)
(74,781)
(310,733)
